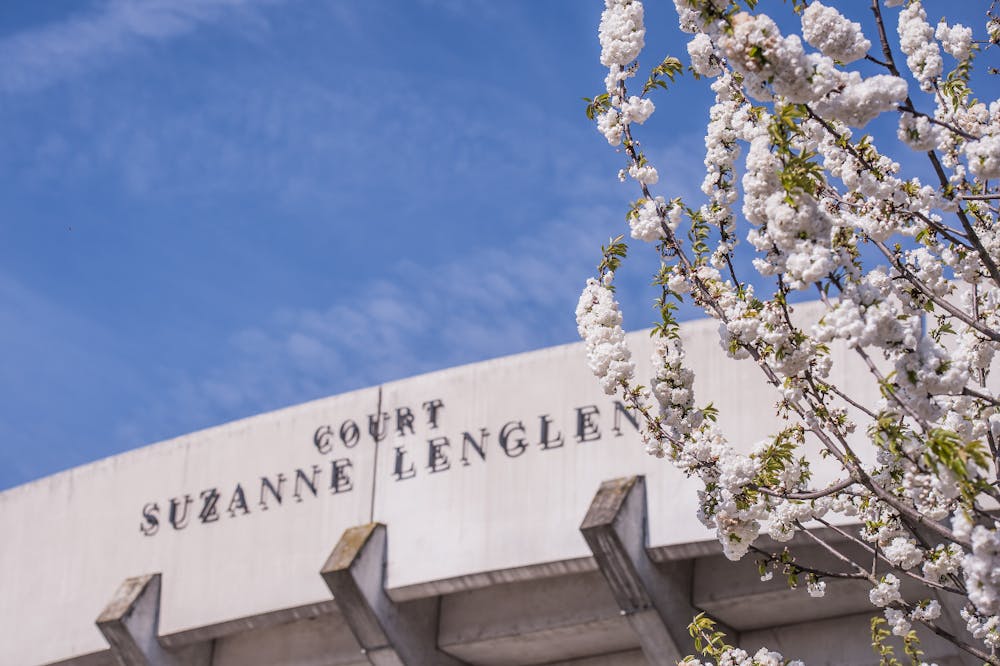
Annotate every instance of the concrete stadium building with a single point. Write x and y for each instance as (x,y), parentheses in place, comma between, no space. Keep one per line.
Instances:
(497,513)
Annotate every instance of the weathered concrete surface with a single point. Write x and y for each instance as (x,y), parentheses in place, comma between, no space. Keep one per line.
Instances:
(844,640)
(734,593)
(389,634)
(104,658)
(131,622)
(630,658)
(655,600)
(534,622)
(322,640)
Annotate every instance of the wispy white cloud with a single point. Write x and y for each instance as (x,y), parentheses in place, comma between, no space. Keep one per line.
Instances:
(36,58)
(417,318)
(305,142)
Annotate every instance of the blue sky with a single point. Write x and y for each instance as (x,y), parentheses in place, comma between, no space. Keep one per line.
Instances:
(213,208)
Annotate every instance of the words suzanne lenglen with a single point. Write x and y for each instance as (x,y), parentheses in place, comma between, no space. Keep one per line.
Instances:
(433,453)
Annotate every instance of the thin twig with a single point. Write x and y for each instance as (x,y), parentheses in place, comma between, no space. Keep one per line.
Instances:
(925,290)
(809,495)
(978,197)
(981,396)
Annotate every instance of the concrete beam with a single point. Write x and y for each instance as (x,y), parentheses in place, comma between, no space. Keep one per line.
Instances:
(734,593)
(844,640)
(130,624)
(550,620)
(390,634)
(655,599)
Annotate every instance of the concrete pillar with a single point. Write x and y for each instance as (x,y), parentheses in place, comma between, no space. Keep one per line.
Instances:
(130,624)
(390,634)
(656,600)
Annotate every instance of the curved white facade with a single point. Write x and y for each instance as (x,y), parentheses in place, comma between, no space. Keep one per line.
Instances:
(481,474)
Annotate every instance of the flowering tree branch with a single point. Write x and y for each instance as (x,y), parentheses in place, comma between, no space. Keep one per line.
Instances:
(918,467)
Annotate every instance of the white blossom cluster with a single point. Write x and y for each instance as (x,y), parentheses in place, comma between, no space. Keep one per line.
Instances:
(622,36)
(982,570)
(672,386)
(901,621)
(737,523)
(739,657)
(907,267)
(835,36)
(898,622)
(773,64)
(984,629)
(599,322)
(621,32)
(816,589)
(984,156)
(646,220)
(956,40)
(942,562)
(928,611)
(729,121)
(904,553)
(704,60)
(916,40)
(886,592)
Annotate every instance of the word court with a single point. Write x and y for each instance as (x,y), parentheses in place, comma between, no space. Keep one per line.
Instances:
(418,444)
